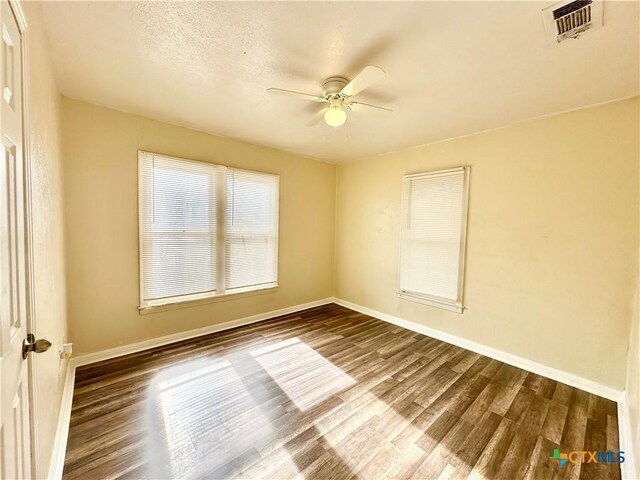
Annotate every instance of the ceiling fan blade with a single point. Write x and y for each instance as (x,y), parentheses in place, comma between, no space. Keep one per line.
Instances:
(368,76)
(317,118)
(306,96)
(365,107)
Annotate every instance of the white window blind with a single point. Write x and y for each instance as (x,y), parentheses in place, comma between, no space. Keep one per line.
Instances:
(251,229)
(433,237)
(205,229)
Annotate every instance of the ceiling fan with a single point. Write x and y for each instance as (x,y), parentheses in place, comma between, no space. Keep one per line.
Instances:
(337,92)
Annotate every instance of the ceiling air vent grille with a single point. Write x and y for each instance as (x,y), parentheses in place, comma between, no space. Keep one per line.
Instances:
(570,19)
(573,18)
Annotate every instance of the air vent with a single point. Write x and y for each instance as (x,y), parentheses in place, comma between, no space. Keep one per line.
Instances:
(569,19)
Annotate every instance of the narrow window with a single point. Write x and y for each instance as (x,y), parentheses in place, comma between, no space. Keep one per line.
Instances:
(434,211)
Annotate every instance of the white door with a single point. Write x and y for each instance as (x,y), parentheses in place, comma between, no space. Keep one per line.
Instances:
(15,461)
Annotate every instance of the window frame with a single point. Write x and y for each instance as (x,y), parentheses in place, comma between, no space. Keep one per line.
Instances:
(221,293)
(456,305)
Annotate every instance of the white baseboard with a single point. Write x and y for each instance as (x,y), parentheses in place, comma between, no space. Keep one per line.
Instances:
(629,466)
(62,431)
(529,365)
(94,357)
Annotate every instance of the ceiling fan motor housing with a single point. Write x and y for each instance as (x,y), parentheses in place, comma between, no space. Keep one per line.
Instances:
(332,86)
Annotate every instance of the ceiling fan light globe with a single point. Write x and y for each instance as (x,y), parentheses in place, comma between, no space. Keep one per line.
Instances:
(335,117)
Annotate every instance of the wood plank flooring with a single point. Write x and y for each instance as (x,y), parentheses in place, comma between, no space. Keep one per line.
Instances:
(328,393)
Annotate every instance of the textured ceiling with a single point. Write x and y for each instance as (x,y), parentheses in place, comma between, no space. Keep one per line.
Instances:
(453,68)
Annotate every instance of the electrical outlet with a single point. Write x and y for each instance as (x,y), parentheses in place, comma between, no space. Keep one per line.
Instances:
(66,352)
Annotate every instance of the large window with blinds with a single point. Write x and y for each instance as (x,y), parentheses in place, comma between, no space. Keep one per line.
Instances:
(432,246)
(205,230)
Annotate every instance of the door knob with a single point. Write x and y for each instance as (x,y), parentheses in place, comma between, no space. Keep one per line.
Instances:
(30,344)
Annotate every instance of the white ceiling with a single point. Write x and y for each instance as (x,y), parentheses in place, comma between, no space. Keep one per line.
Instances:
(453,68)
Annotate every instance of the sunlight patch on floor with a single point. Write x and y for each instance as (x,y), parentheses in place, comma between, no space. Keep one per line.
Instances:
(302,373)
(206,406)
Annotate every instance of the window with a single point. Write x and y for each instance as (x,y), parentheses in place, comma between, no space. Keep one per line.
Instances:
(205,230)
(434,211)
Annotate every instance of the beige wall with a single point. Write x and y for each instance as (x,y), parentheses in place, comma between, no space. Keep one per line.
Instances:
(552,237)
(48,232)
(101,193)
(553,222)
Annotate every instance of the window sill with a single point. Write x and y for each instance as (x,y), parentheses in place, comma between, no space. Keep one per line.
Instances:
(194,302)
(452,307)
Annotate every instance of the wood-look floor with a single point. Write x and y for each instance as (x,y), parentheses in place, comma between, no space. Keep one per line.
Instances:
(328,393)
